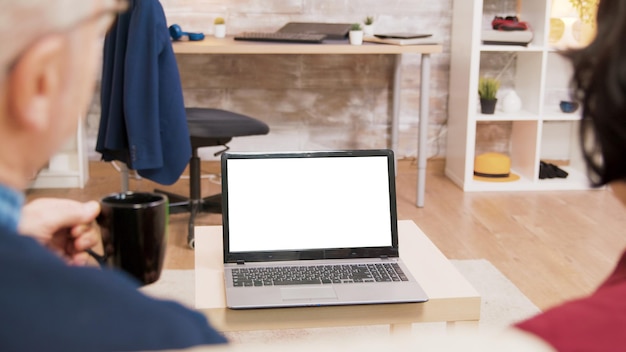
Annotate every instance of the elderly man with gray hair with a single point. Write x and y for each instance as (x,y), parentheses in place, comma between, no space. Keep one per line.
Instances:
(49,54)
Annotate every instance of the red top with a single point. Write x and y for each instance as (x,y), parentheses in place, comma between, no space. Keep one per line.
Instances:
(593,323)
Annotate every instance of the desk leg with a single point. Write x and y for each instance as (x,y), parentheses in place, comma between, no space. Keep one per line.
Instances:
(400,329)
(469,325)
(124,176)
(395,112)
(423,129)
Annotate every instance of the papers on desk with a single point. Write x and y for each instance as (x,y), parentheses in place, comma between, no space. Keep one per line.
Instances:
(402,41)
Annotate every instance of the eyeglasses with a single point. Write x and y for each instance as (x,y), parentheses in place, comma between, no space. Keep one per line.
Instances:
(105,19)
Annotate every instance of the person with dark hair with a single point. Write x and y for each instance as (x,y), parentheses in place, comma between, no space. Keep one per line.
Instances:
(596,322)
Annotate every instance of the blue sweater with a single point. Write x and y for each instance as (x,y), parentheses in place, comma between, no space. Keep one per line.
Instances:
(46,305)
(143,121)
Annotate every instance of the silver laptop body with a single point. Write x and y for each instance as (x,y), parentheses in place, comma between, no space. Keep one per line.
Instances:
(328,209)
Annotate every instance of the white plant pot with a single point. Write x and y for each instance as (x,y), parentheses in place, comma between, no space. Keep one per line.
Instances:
(511,102)
(356,37)
(368,30)
(220,31)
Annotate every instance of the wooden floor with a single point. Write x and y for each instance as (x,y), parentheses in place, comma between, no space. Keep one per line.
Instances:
(553,245)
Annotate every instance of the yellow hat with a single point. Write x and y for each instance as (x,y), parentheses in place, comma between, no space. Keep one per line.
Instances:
(493,167)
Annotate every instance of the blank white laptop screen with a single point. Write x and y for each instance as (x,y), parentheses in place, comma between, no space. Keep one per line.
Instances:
(308,203)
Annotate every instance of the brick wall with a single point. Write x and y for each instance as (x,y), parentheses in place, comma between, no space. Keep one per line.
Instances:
(316,101)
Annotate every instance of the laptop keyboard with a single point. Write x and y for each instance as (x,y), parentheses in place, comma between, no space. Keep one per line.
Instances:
(281,37)
(317,274)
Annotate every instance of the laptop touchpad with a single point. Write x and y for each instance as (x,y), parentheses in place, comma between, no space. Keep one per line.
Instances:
(293,293)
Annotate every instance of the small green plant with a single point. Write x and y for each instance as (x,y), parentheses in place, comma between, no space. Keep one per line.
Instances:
(219,20)
(488,88)
(356,27)
(369,20)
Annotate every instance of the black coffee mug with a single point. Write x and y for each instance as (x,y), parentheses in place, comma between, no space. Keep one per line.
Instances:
(133,226)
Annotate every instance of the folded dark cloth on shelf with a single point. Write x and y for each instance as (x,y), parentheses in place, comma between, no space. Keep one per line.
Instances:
(547,170)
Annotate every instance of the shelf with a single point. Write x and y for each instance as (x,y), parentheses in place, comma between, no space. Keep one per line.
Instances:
(555,114)
(576,180)
(523,184)
(57,179)
(553,49)
(52,173)
(503,116)
(511,48)
(541,78)
(69,167)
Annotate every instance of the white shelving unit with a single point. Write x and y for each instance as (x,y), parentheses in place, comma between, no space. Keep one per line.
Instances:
(69,168)
(540,76)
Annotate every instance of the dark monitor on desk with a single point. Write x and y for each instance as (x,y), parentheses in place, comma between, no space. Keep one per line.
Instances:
(331,30)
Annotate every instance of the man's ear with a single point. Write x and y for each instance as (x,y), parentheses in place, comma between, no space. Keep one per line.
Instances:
(34,83)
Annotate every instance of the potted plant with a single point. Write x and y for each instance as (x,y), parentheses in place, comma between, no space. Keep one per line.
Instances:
(356,34)
(368,28)
(487,90)
(220,27)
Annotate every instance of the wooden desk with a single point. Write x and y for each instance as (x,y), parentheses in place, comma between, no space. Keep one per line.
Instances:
(212,45)
(451,297)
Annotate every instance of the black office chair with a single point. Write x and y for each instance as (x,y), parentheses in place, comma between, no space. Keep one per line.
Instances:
(208,128)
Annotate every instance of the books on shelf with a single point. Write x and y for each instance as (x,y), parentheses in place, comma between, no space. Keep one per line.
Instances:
(493,37)
(402,41)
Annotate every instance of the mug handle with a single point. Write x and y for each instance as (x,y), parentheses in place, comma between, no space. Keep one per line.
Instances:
(101,259)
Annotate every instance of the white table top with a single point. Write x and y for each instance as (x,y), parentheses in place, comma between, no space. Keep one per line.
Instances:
(451,297)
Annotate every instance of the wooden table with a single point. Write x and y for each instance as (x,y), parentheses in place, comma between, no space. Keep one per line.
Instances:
(227,45)
(451,297)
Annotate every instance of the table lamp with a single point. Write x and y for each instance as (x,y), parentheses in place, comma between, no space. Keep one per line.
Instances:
(564,25)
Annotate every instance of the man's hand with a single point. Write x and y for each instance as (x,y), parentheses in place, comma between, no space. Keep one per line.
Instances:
(67,227)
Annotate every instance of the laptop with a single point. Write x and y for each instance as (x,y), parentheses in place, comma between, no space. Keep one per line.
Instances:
(331,30)
(292,220)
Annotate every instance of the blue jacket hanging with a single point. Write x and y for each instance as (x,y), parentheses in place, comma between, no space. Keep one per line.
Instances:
(143,121)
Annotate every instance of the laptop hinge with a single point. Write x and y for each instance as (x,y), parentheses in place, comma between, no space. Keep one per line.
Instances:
(241,262)
(384,257)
